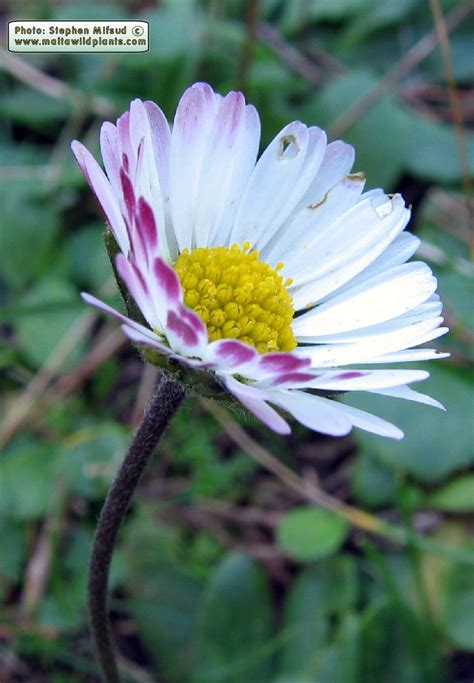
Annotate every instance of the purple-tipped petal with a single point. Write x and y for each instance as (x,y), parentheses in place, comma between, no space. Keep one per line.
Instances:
(128,194)
(93,301)
(109,148)
(141,338)
(231,354)
(182,334)
(276,363)
(103,190)
(146,225)
(161,142)
(168,282)
(126,154)
(292,378)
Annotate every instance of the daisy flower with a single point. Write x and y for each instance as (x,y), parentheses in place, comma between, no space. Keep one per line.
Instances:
(276,277)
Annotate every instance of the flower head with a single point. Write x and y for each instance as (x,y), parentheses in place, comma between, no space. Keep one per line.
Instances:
(274,277)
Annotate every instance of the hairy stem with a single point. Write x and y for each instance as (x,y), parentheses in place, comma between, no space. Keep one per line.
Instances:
(166,399)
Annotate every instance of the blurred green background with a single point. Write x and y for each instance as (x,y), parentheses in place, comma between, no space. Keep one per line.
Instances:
(225,573)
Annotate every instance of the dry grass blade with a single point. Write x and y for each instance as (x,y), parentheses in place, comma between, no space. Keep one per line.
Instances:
(456,112)
(413,57)
(310,492)
(251,19)
(20,409)
(290,55)
(306,489)
(54,87)
(145,391)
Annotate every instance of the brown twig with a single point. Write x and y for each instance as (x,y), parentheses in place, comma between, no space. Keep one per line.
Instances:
(144,393)
(448,211)
(54,87)
(306,489)
(39,566)
(106,347)
(21,407)
(292,57)
(27,402)
(413,57)
(251,19)
(457,117)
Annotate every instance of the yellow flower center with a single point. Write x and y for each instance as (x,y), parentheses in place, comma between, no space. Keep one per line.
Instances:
(238,296)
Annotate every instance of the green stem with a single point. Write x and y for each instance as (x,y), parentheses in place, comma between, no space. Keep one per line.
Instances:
(166,400)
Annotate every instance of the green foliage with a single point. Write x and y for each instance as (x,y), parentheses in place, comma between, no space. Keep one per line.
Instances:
(53,311)
(455,496)
(164,595)
(27,479)
(321,593)
(309,533)
(447,437)
(234,624)
(457,615)
(373,483)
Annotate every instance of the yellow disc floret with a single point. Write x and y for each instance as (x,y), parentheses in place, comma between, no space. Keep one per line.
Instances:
(238,296)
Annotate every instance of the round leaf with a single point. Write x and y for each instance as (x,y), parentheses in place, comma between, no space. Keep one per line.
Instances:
(308,533)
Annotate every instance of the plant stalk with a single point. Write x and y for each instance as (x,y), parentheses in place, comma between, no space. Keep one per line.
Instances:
(167,398)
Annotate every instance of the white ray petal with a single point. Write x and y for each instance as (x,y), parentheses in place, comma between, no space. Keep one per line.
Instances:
(352,246)
(254,401)
(313,412)
(368,422)
(399,251)
(293,192)
(380,298)
(409,394)
(146,182)
(336,164)
(427,310)
(410,355)
(231,150)
(270,184)
(377,347)
(365,380)
(193,121)
(294,240)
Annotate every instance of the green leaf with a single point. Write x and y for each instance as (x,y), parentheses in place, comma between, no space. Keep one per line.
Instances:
(29,228)
(436,443)
(27,478)
(455,496)
(384,162)
(405,140)
(308,533)
(90,458)
(373,483)
(40,333)
(305,625)
(341,660)
(328,10)
(13,550)
(234,625)
(432,151)
(87,259)
(373,17)
(385,651)
(27,106)
(321,593)
(457,613)
(164,595)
